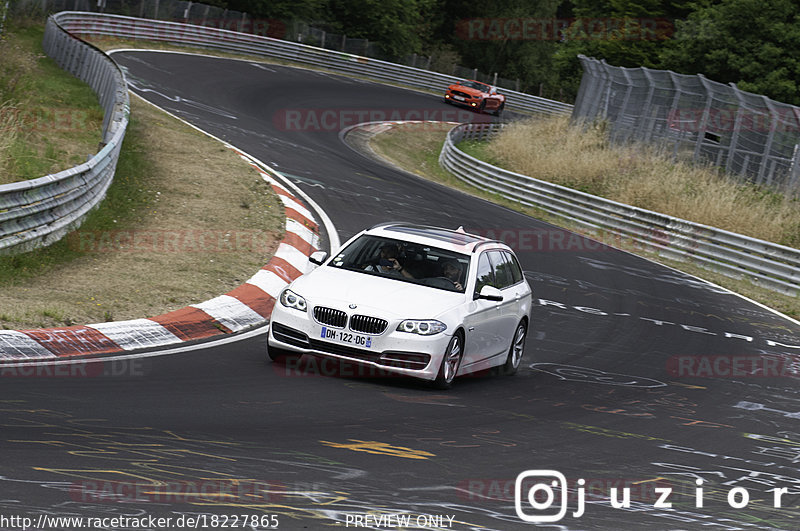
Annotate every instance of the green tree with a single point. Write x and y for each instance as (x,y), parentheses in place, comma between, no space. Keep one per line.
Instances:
(626,33)
(752,43)
(502,36)
(400,26)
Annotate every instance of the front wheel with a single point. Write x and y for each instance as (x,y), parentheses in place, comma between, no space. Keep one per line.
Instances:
(499,111)
(450,363)
(516,351)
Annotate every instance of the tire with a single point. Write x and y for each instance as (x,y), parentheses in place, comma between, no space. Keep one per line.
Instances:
(450,362)
(482,106)
(499,111)
(516,351)
(280,355)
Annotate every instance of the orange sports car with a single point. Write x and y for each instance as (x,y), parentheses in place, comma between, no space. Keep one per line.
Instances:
(476,95)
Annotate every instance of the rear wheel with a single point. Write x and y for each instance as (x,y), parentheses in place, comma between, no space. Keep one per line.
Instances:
(450,363)
(517,350)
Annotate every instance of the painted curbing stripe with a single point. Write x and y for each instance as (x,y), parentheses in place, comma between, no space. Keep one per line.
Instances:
(73,341)
(190,323)
(298,243)
(269,282)
(292,214)
(292,204)
(295,227)
(18,346)
(254,298)
(136,333)
(293,257)
(283,269)
(230,312)
(248,305)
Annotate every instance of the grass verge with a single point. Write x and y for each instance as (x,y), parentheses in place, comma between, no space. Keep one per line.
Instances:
(416,147)
(184,221)
(49,120)
(581,158)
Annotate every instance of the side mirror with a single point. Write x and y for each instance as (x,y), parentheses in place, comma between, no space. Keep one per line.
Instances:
(490,293)
(318,257)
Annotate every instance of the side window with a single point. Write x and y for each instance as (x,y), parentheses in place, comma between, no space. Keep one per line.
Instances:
(485,274)
(516,270)
(502,269)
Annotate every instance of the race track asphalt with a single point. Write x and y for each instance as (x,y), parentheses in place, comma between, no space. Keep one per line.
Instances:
(635,375)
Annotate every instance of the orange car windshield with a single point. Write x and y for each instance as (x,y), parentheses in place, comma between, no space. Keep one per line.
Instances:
(475,85)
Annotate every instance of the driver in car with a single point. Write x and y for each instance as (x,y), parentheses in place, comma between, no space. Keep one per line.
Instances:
(387,262)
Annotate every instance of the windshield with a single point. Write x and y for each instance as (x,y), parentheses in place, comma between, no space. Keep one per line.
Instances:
(405,262)
(475,85)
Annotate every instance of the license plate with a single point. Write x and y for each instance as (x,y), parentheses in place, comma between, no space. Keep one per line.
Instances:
(348,338)
(459,98)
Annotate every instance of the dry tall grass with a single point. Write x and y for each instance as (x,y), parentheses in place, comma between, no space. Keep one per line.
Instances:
(554,150)
(9,130)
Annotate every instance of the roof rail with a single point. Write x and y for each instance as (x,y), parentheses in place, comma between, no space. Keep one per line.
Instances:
(388,223)
(487,242)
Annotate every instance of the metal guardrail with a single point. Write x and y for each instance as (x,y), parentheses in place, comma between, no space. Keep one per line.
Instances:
(41,211)
(82,23)
(774,266)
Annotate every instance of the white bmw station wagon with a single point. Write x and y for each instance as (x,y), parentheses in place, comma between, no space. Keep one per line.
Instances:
(413,300)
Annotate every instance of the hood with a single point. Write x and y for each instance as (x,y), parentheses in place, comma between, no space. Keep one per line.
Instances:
(467,90)
(374,295)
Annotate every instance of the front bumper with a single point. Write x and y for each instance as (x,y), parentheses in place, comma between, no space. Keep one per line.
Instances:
(472,103)
(395,352)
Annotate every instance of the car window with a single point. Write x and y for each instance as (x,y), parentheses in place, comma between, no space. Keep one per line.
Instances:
(485,273)
(502,269)
(416,263)
(516,270)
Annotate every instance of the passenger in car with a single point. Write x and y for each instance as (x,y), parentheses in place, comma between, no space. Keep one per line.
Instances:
(451,270)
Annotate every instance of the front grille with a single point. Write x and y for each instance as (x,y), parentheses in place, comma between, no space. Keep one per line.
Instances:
(344,350)
(463,94)
(330,317)
(367,325)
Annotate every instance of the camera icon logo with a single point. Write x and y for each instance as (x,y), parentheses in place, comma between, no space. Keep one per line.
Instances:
(535,491)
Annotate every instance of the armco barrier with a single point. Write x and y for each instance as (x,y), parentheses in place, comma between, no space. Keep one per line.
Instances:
(41,211)
(82,23)
(774,266)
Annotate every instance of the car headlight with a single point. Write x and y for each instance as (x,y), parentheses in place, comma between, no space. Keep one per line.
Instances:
(290,299)
(427,327)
